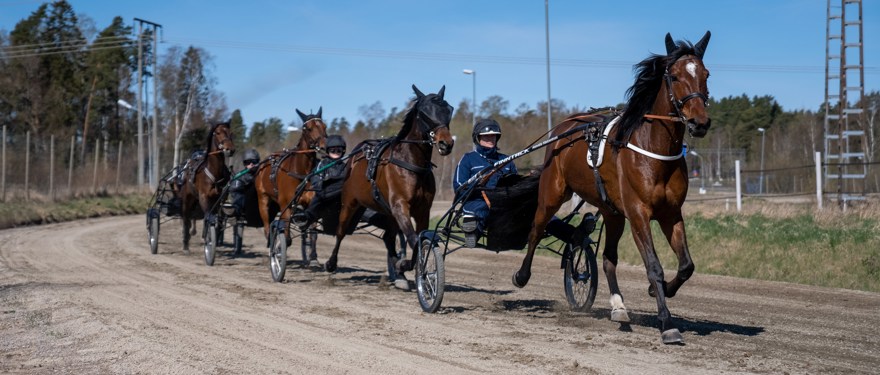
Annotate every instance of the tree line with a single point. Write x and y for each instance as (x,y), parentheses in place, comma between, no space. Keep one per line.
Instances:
(60,75)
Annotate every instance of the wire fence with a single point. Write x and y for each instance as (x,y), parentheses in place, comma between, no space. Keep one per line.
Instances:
(49,168)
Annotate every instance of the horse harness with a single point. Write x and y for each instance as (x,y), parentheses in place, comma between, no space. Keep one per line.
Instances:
(277,159)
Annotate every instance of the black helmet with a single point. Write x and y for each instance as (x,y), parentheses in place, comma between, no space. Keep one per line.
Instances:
(251,156)
(335,141)
(486,126)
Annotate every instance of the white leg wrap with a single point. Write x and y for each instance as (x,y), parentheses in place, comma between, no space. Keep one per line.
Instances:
(617,302)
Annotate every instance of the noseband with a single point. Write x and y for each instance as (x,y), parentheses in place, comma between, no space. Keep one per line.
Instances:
(679,104)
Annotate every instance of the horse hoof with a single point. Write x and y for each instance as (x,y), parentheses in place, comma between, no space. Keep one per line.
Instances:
(329,267)
(672,336)
(401,283)
(404,265)
(619,315)
(519,281)
(314,264)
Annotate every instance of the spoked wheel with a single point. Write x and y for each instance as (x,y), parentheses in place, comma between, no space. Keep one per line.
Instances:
(430,274)
(308,237)
(278,252)
(211,232)
(153,231)
(237,235)
(580,277)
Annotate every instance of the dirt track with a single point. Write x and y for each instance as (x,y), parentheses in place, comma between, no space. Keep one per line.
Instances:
(87,297)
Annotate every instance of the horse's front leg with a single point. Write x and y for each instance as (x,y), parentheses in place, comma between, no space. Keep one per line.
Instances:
(551,198)
(614,225)
(673,228)
(641,230)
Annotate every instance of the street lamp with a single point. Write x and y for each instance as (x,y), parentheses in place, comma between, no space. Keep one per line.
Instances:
(763,131)
(702,170)
(473,73)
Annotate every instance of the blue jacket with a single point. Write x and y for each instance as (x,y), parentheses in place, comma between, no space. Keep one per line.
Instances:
(475,161)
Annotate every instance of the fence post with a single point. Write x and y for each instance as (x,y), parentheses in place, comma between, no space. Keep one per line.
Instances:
(739,197)
(118,165)
(52,167)
(819,179)
(4,165)
(70,168)
(95,175)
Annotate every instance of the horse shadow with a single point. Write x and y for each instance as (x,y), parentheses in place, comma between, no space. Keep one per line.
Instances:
(699,327)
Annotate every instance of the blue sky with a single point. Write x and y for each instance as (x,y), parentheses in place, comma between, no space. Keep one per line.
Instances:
(274,56)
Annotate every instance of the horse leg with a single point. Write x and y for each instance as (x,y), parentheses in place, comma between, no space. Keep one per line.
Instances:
(641,229)
(347,215)
(395,276)
(186,227)
(614,225)
(548,204)
(675,234)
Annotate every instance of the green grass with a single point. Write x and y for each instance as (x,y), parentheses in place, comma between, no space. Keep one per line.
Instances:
(19,213)
(844,253)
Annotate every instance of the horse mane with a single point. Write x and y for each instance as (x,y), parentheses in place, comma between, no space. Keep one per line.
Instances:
(642,94)
(410,118)
(209,139)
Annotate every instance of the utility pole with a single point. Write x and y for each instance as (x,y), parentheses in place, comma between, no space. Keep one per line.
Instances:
(547,36)
(154,140)
(140,107)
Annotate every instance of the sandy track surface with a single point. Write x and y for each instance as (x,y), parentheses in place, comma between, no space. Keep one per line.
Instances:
(87,297)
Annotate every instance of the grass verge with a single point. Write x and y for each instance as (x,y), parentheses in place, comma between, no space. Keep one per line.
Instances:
(20,213)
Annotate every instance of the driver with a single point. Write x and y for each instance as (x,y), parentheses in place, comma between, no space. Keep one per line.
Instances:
(238,187)
(327,184)
(485,135)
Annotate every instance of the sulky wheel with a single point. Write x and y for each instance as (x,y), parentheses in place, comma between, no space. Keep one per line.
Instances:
(580,276)
(430,274)
(211,232)
(277,251)
(153,232)
(237,236)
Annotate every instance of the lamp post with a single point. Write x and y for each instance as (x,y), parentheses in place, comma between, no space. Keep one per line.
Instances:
(763,131)
(473,73)
(702,170)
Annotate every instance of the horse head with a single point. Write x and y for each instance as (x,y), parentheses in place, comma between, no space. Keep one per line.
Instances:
(220,139)
(685,79)
(314,131)
(433,114)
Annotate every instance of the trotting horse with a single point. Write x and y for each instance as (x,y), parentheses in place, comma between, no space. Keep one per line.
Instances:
(643,176)
(203,181)
(394,176)
(276,180)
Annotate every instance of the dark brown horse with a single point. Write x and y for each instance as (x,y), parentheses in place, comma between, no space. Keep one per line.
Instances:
(203,180)
(394,177)
(276,180)
(644,175)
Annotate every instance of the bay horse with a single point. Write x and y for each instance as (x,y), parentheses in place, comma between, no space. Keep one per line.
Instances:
(277,179)
(394,177)
(643,176)
(203,180)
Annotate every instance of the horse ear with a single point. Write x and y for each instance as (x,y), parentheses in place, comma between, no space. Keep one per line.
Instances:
(302,115)
(670,45)
(418,93)
(700,47)
(441,92)
(319,111)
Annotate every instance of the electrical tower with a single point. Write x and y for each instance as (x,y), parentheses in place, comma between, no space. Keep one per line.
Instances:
(845,166)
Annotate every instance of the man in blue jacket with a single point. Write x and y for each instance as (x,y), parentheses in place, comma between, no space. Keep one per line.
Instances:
(485,135)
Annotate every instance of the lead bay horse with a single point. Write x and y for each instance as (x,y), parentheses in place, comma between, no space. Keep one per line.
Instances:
(277,179)
(394,176)
(203,180)
(644,175)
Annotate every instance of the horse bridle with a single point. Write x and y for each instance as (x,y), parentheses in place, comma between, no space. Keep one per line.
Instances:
(430,132)
(313,142)
(676,103)
(219,143)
